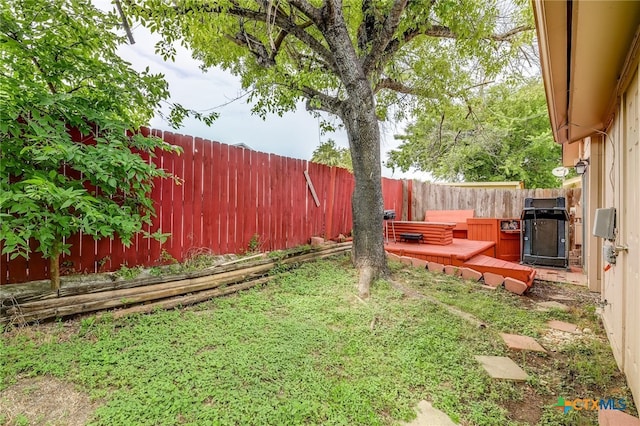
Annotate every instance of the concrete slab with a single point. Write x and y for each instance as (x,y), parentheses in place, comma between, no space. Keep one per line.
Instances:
(406,260)
(435,267)
(521,343)
(452,270)
(515,286)
(419,263)
(616,418)
(564,326)
(429,416)
(501,367)
(552,304)
(493,280)
(394,257)
(470,274)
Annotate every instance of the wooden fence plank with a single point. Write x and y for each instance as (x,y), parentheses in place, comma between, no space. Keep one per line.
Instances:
(166,196)
(232,205)
(264,213)
(240,211)
(18,270)
(207,196)
(38,267)
(248,192)
(177,201)
(198,190)
(218,182)
(187,240)
(224,162)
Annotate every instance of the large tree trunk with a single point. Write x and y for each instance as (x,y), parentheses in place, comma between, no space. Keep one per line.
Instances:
(367,204)
(359,117)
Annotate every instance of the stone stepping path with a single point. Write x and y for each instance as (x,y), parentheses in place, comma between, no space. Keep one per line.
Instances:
(429,416)
(521,343)
(616,418)
(564,326)
(501,367)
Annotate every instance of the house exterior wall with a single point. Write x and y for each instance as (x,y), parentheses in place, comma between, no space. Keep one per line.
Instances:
(619,179)
(589,54)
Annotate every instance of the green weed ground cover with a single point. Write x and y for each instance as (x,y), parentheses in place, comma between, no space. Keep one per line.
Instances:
(302,350)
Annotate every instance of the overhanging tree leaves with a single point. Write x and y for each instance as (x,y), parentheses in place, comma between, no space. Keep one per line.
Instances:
(354,59)
(60,74)
(329,154)
(500,134)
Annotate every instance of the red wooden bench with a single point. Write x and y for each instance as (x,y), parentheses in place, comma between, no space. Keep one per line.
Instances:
(458,216)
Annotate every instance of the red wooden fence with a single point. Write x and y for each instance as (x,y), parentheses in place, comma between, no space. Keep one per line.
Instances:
(228,195)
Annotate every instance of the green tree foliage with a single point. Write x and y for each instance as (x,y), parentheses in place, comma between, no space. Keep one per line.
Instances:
(360,60)
(60,71)
(329,154)
(500,134)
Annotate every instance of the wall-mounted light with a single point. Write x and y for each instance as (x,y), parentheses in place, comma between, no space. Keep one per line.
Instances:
(581,166)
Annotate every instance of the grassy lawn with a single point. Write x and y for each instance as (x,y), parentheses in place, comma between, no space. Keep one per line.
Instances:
(305,350)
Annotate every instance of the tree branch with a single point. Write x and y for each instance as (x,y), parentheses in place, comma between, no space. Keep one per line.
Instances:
(282,21)
(396,86)
(308,10)
(328,103)
(515,31)
(385,35)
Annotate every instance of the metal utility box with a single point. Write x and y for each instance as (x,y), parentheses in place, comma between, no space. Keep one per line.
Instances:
(545,232)
(604,225)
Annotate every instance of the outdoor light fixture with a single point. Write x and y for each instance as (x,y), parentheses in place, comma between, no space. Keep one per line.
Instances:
(581,166)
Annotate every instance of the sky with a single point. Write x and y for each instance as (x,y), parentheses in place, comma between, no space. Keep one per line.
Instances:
(295,134)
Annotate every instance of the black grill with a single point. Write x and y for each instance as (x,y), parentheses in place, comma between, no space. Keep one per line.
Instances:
(389,214)
(545,236)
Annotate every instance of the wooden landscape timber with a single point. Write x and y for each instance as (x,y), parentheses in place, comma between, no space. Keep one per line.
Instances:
(161,292)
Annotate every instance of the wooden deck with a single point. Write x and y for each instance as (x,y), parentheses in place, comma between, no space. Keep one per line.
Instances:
(456,253)
(477,255)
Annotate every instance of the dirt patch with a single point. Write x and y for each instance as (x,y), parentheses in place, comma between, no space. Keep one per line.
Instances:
(47,332)
(529,410)
(543,291)
(45,401)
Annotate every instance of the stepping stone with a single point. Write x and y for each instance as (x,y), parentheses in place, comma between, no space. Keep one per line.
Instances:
(470,274)
(429,416)
(406,260)
(521,343)
(493,280)
(394,257)
(419,263)
(501,367)
(435,267)
(452,270)
(515,286)
(546,306)
(564,326)
(616,418)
